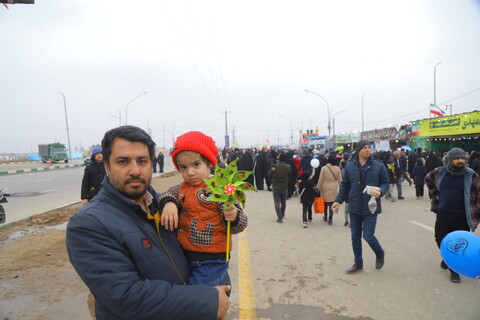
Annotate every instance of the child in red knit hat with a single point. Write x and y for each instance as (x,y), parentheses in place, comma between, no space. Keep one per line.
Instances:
(201,224)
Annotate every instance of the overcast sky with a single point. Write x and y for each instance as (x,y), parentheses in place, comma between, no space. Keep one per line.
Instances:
(253,59)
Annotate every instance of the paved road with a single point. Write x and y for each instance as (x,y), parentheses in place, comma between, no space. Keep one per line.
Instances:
(299,273)
(37,192)
(283,271)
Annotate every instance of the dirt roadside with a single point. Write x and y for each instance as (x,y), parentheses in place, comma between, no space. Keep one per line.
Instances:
(37,282)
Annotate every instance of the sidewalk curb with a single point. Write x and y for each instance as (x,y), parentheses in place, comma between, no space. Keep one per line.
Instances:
(27,218)
(19,162)
(40,169)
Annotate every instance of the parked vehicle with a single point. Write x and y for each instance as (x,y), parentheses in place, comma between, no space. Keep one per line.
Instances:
(52,152)
(2,200)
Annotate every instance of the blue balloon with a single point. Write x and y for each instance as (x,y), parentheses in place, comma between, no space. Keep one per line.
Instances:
(461,252)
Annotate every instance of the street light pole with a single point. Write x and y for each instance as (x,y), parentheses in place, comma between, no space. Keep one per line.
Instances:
(361,135)
(328,107)
(119,117)
(291,128)
(333,120)
(126,108)
(173,129)
(66,120)
(435,84)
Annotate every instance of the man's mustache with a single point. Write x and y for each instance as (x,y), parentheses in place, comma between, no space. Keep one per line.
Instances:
(135,179)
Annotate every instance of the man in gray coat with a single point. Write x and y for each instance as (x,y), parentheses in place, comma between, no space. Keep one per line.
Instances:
(280,173)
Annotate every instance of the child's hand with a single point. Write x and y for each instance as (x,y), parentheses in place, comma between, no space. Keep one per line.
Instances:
(231,213)
(169,218)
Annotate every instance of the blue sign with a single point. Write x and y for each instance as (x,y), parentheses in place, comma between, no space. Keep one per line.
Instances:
(227,141)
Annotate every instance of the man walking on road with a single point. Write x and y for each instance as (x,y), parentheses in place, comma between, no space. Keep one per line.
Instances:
(360,172)
(133,266)
(455,193)
(280,174)
(399,172)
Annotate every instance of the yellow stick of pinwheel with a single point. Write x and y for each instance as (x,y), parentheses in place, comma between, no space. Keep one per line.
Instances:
(227,186)
(228,242)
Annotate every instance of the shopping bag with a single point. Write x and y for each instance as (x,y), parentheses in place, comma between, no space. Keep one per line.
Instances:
(319,205)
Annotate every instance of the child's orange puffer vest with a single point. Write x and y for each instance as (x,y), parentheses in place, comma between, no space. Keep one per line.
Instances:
(200,221)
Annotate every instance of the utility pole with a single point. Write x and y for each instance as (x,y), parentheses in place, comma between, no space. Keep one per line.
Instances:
(361,135)
(66,120)
(163,124)
(227,138)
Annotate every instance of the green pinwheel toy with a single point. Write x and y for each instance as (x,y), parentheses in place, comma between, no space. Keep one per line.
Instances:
(227,186)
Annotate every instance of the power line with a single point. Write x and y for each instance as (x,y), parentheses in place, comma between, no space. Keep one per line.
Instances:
(188,54)
(203,51)
(463,95)
(218,64)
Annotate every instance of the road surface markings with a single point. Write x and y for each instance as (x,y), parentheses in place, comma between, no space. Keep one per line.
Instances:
(422,225)
(246,297)
(50,190)
(43,180)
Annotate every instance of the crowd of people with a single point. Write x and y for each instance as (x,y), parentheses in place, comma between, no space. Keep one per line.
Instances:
(341,176)
(142,253)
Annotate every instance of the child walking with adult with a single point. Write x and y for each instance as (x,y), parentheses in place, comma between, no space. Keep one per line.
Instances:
(418,175)
(328,184)
(307,196)
(202,224)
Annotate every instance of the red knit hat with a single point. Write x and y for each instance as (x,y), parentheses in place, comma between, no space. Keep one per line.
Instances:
(197,142)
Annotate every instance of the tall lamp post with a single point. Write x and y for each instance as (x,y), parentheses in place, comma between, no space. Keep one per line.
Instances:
(119,117)
(66,120)
(291,128)
(333,120)
(126,108)
(328,107)
(435,84)
(361,135)
(173,129)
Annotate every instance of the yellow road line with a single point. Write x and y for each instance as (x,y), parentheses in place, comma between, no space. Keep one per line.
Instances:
(246,304)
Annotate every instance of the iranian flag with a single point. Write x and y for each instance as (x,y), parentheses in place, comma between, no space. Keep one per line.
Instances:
(436,110)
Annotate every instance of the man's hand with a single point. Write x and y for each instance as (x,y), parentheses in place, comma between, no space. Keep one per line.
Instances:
(231,213)
(84,202)
(169,218)
(223,301)
(335,206)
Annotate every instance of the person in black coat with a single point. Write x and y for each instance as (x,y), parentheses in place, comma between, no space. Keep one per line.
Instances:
(93,176)
(154,164)
(418,175)
(305,162)
(307,191)
(245,162)
(272,156)
(433,161)
(474,162)
(160,161)
(293,179)
(260,169)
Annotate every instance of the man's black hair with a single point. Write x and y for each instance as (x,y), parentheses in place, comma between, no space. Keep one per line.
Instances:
(129,133)
(282,157)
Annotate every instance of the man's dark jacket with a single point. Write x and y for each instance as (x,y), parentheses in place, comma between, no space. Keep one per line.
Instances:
(280,176)
(131,271)
(353,184)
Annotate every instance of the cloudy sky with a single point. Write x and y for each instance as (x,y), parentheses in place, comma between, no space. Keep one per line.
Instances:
(251,59)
